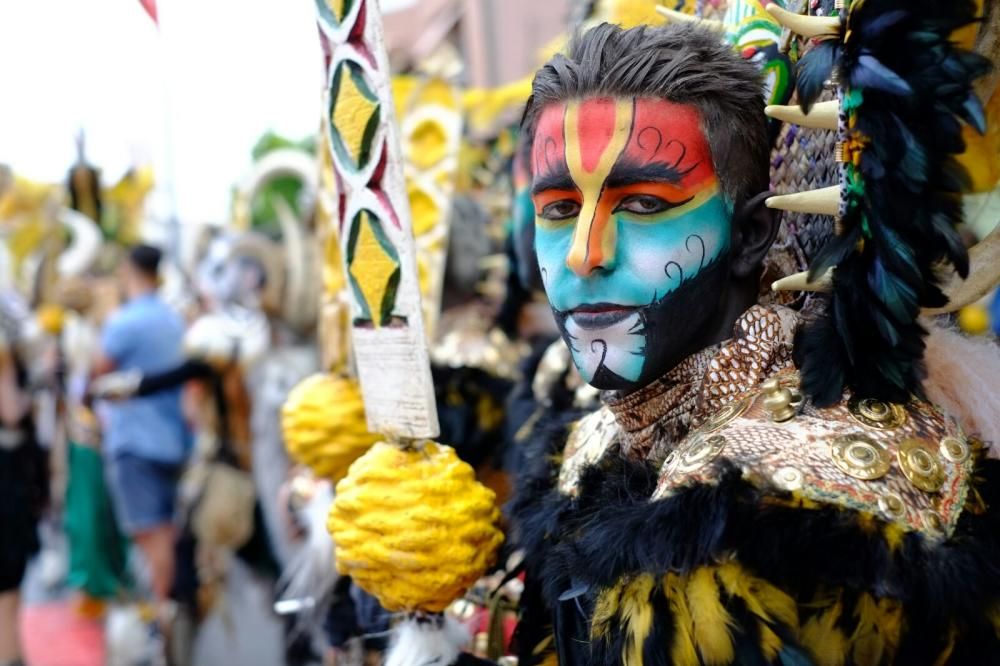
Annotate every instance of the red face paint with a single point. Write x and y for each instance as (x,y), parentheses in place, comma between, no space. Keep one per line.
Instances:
(590,155)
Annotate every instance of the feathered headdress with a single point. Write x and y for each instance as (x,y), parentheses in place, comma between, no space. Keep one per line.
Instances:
(904,89)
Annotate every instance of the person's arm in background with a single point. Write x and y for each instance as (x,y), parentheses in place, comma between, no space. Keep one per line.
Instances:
(117,339)
(186,371)
(13,402)
(132,383)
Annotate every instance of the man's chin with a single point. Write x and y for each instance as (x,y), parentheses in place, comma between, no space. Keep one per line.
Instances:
(608,345)
(606,380)
(619,348)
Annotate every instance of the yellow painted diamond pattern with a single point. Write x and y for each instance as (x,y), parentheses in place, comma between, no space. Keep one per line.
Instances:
(338,7)
(372,267)
(352,110)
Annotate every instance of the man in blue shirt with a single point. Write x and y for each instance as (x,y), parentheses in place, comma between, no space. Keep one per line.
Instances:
(146,440)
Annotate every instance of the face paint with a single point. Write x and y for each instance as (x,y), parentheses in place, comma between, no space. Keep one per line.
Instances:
(629,221)
(523,225)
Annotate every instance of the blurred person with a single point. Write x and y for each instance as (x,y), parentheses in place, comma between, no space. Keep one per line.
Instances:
(23,490)
(146,441)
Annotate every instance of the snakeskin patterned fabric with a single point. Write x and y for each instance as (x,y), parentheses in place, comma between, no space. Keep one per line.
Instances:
(659,415)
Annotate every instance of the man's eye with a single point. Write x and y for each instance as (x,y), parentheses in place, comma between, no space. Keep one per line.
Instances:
(560,210)
(643,204)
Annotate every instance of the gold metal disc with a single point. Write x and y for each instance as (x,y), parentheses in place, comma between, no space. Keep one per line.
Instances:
(728,412)
(694,454)
(920,465)
(892,506)
(788,478)
(860,456)
(955,450)
(933,522)
(876,414)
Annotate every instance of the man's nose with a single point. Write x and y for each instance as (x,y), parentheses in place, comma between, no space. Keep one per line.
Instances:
(594,245)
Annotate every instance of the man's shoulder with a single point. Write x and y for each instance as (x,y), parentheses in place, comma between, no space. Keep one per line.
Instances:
(908,464)
(145,310)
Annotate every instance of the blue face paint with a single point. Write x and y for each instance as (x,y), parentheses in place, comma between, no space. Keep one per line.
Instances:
(631,233)
(653,258)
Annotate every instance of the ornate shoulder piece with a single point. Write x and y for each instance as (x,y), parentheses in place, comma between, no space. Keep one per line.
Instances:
(589,440)
(909,464)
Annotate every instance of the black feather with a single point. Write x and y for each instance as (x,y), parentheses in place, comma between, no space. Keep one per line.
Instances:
(813,71)
(907,90)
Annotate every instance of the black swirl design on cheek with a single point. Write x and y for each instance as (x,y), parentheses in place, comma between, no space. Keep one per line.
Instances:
(545,275)
(680,271)
(701,242)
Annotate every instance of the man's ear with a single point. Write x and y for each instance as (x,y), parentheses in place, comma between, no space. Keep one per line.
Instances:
(754,229)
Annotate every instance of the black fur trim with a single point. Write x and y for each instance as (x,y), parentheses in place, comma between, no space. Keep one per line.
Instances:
(612,530)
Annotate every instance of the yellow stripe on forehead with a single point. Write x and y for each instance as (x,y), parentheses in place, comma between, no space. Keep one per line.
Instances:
(593,237)
(593,180)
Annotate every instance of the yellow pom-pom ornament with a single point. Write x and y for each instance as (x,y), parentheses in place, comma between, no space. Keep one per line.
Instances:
(974,319)
(413,527)
(51,318)
(323,423)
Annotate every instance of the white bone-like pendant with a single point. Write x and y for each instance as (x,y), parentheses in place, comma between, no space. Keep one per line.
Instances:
(822,115)
(800,282)
(824,201)
(821,27)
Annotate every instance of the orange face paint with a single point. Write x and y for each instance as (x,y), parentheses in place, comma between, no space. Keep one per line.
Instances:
(596,152)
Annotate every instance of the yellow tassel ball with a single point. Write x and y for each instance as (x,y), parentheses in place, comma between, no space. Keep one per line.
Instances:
(50,318)
(323,423)
(974,319)
(413,527)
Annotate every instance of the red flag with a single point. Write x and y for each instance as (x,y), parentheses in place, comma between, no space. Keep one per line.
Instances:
(150,7)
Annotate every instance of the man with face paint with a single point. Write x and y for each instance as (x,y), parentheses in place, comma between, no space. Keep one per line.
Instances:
(706,513)
(632,230)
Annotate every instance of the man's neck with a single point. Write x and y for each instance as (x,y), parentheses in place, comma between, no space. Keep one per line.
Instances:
(739,298)
(141,292)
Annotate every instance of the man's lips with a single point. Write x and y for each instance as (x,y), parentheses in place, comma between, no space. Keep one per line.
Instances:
(599,315)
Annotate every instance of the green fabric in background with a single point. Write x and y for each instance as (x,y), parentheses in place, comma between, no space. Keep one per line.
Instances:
(98,551)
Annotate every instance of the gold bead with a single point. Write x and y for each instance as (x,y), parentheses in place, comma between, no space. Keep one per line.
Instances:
(920,466)
(860,456)
(778,401)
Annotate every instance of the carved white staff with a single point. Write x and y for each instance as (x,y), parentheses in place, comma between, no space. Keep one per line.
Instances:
(411,524)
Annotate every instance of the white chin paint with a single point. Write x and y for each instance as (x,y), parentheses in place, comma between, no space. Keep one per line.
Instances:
(620,348)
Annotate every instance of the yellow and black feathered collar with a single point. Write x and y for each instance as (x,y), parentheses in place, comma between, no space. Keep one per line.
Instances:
(768,526)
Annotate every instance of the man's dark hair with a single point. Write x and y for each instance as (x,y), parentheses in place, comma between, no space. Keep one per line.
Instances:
(146,259)
(684,64)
